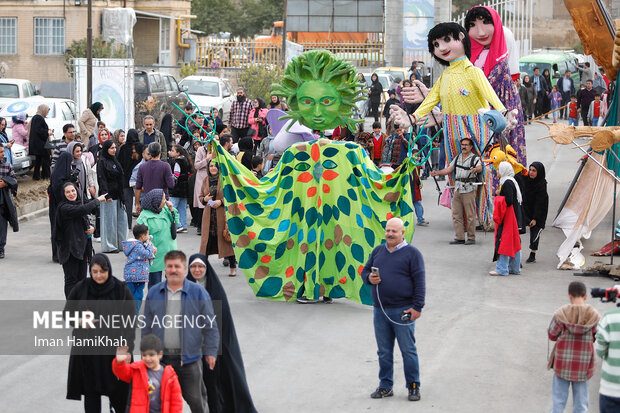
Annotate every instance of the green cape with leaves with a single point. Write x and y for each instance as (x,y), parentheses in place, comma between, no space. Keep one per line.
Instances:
(309,226)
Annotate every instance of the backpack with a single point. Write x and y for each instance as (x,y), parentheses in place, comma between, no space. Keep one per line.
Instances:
(472,161)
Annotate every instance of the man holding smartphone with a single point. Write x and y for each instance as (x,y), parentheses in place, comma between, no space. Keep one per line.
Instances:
(395,272)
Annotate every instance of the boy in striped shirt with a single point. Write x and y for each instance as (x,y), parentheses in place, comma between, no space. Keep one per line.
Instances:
(608,348)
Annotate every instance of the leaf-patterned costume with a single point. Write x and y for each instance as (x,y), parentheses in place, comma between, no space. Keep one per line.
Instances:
(309,226)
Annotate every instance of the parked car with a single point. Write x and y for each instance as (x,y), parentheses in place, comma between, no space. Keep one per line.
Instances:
(62,111)
(557,63)
(210,92)
(160,88)
(15,89)
(21,160)
(401,73)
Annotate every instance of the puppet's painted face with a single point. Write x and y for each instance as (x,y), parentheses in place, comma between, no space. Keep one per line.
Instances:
(448,49)
(319,104)
(481,32)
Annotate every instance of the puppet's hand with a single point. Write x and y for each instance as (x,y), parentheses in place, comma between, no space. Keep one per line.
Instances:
(400,117)
(416,93)
(511,119)
(434,119)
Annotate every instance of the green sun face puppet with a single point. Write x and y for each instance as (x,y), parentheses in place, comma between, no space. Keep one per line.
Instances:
(309,226)
(321,91)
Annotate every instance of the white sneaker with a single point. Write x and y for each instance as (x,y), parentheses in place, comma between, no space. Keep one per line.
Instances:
(98,239)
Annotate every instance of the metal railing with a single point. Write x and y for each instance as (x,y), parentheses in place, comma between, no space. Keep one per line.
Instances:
(516,15)
(216,53)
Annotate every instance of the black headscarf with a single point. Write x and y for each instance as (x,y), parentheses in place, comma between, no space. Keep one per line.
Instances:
(227,382)
(166,128)
(535,197)
(95,108)
(100,290)
(274,104)
(61,174)
(152,200)
(245,146)
(126,156)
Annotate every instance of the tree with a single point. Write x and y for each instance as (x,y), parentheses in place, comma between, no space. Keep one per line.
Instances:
(461,6)
(241,19)
(257,80)
(101,50)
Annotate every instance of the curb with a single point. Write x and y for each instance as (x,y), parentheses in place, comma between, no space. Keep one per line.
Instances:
(32,210)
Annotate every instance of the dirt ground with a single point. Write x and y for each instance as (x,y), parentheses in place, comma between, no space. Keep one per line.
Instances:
(29,191)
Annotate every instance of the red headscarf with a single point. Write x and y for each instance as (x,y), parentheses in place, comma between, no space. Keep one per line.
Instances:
(497,49)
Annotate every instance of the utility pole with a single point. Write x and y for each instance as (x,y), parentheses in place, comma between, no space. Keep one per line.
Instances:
(283,52)
(89,55)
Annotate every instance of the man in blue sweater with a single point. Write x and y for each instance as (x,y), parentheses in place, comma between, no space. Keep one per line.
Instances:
(396,274)
(180,313)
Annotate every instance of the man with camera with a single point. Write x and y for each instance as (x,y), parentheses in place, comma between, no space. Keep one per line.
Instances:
(466,167)
(395,272)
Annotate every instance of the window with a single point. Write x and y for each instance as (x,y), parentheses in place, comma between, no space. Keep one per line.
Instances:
(175,86)
(8,90)
(49,36)
(166,82)
(8,35)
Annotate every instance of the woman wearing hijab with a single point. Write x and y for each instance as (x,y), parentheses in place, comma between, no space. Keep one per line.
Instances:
(37,138)
(276,103)
(129,156)
(258,122)
(548,86)
(374,96)
(227,387)
(113,217)
(88,121)
(200,165)
(535,205)
(90,369)
(19,129)
(72,234)
(489,52)
(212,240)
(119,139)
(166,129)
(245,152)
(162,224)
(60,176)
(527,98)
(507,206)
(80,168)
(6,142)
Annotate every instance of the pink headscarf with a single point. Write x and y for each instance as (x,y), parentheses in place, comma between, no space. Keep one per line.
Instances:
(497,49)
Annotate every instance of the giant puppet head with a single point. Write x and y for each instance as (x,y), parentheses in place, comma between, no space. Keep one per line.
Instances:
(448,42)
(321,91)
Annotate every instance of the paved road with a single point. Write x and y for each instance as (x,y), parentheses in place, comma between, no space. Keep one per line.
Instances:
(481,339)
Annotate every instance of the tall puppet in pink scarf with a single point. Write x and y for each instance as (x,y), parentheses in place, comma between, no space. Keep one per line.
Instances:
(490,53)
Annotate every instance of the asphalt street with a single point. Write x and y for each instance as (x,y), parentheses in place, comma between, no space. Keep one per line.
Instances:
(481,340)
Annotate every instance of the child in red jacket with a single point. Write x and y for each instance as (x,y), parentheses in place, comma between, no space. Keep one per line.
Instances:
(154,388)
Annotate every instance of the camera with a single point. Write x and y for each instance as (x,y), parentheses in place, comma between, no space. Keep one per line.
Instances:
(405,316)
(606,294)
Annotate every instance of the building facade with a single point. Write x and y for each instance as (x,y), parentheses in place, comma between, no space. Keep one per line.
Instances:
(35,34)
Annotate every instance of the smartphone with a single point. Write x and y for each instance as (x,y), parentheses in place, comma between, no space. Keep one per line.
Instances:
(374,270)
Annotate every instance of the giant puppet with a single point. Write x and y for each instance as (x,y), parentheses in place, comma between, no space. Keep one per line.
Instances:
(308,227)
(463,91)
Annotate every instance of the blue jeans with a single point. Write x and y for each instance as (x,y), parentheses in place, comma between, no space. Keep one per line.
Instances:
(508,265)
(559,393)
(137,290)
(608,404)
(419,210)
(594,121)
(181,205)
(573,121)
(154,278)
(385,333)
